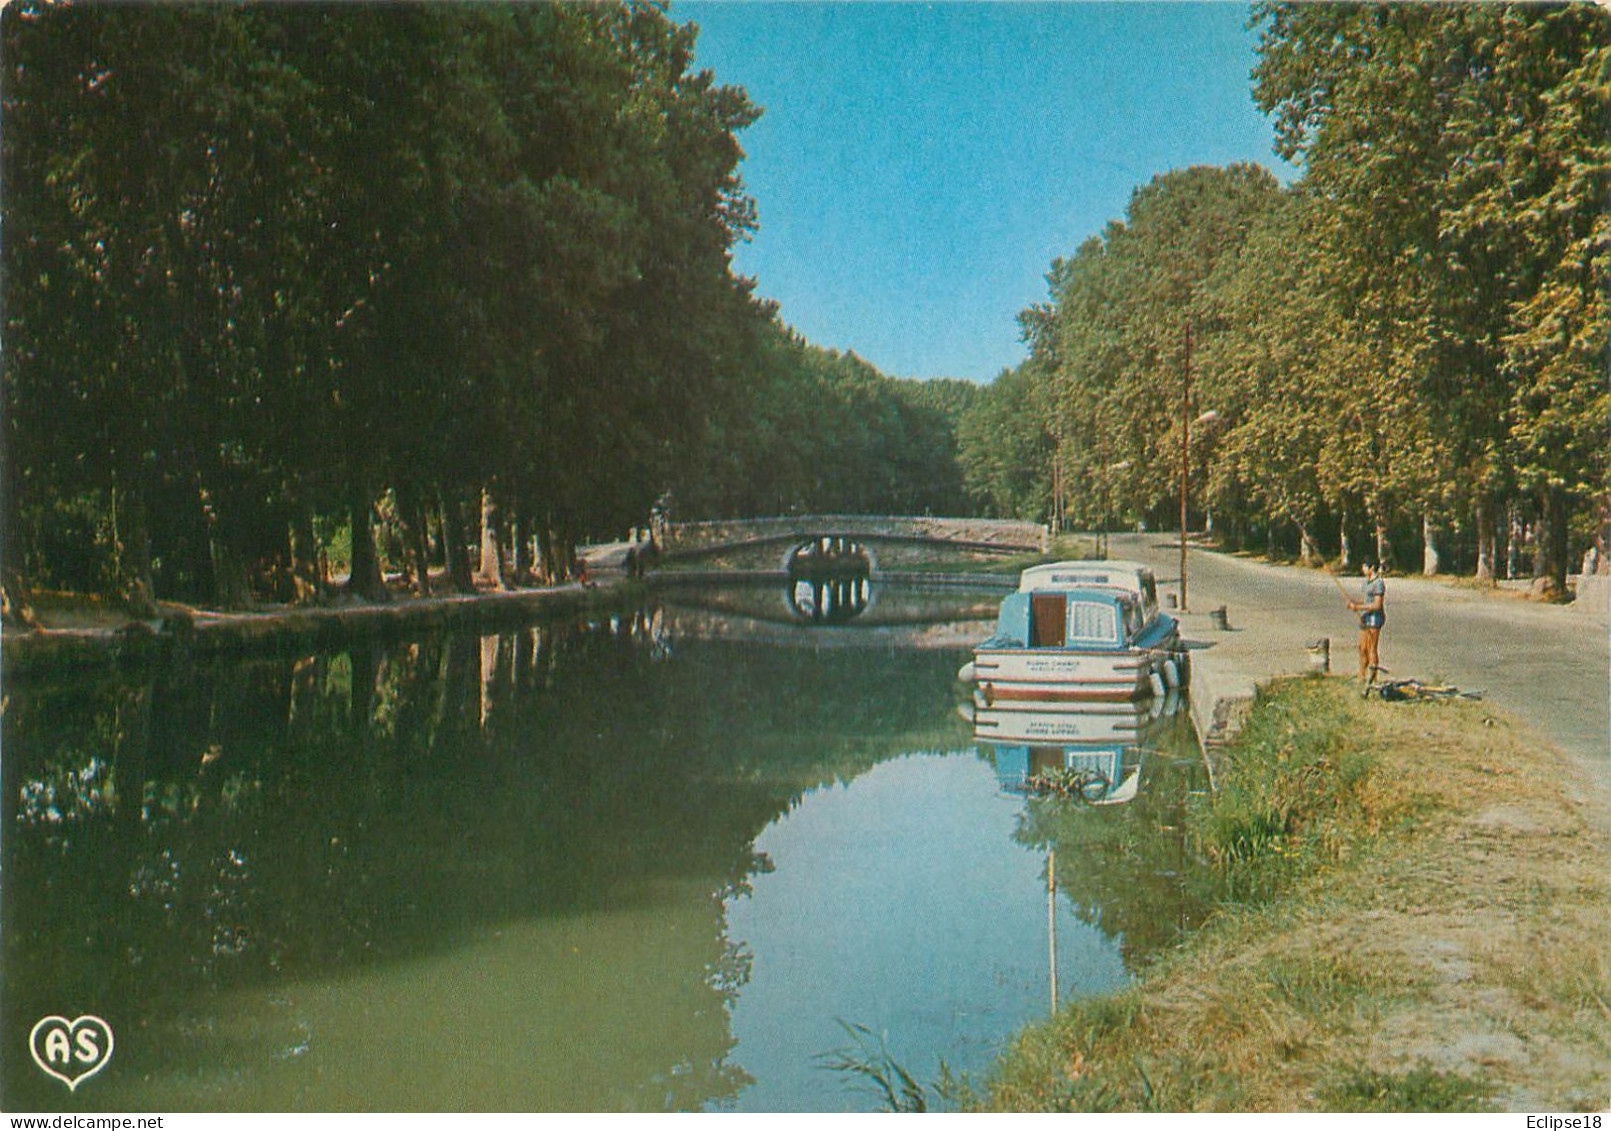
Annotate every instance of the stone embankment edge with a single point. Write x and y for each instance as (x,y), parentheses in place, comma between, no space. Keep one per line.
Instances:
(1220,700)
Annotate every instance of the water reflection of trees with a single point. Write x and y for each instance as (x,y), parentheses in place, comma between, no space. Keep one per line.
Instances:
(215,828)
(1129,870)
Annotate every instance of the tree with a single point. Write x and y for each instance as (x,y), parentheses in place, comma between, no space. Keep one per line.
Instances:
(1453,145)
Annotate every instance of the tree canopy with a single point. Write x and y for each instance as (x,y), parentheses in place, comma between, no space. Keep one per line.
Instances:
(292,291)
(1408,343)
(288,285)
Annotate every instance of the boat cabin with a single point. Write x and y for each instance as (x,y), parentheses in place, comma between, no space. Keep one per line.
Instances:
(1078,619)
(1120,576)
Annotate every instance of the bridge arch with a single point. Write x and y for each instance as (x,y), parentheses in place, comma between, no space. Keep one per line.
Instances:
(832,551)
(888,540)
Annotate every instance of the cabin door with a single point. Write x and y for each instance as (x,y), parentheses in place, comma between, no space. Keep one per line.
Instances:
(1048,620)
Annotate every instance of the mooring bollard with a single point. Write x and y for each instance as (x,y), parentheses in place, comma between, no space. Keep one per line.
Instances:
(1320,656)
(1219,620)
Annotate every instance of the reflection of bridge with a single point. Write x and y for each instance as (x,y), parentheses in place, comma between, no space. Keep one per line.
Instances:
(888,540)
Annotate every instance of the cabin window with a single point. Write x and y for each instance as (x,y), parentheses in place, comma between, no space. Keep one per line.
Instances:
(1091,623)
(1132,619)
(1048,614)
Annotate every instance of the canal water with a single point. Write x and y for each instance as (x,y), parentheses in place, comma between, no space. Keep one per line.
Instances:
(696,854)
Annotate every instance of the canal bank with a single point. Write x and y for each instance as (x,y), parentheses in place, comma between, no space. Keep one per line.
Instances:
(81,633)
(106,637)
(182,631)
(1410,916)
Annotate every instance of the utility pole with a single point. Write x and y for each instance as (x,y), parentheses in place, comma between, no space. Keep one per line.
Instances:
(1058,482)
(1185,458)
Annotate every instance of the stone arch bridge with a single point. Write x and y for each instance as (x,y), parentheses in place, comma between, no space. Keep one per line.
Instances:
(889,542)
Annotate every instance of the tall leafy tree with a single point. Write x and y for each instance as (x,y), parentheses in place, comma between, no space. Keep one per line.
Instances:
(1446,140)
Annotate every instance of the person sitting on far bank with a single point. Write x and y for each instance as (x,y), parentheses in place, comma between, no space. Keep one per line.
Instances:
(1372,612)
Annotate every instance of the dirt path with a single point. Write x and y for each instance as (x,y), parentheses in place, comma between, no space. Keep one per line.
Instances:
(1548,664)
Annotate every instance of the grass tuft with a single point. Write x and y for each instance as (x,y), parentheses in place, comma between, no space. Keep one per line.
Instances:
(1421,1089)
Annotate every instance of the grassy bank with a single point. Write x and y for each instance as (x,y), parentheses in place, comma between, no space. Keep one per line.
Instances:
(1412,909)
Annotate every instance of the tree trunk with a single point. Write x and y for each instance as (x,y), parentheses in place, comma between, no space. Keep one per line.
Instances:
(1541,564)
(455,545)
(16,600)
(522,539)
(565,546)
(492,571)
(1515,538)
(365,580)
(1384,548)
(232,583)
(1485,538)
(413,509)
(231,580)
(1602,534)
(306,583)
(1556,535)
(545,552)
(1431,558)
(133,538)
(16,594)
(1307,550)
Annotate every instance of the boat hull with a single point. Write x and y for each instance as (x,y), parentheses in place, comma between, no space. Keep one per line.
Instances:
(1050,676)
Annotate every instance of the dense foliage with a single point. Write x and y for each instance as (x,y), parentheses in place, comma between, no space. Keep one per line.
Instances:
(293,289)
(298,290)
(1406,345)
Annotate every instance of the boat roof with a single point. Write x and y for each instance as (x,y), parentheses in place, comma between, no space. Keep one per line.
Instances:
(1115,574)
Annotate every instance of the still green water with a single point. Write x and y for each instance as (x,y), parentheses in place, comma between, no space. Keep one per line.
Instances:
(649,861)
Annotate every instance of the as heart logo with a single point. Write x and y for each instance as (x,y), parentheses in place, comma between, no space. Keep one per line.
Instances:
(71,1051)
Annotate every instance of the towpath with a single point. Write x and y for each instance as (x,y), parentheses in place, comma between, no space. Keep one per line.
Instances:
(1548,664)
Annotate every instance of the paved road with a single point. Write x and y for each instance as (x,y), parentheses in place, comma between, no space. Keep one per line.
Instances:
(1549,664)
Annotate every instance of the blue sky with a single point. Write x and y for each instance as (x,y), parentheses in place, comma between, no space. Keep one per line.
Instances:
(919,166)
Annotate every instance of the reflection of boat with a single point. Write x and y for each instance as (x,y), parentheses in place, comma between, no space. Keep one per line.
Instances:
(1024,720)
(1079,632)
(1099,722)
(1095,749)
(1103,773)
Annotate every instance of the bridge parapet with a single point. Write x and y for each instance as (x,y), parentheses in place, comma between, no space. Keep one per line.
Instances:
(1008,535)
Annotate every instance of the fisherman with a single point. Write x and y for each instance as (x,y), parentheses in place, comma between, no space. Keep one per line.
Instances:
(1372,612)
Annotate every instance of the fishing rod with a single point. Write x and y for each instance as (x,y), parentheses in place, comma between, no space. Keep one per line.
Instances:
(1334,580)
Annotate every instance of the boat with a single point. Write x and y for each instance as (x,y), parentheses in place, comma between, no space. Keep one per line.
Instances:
(1076,633)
